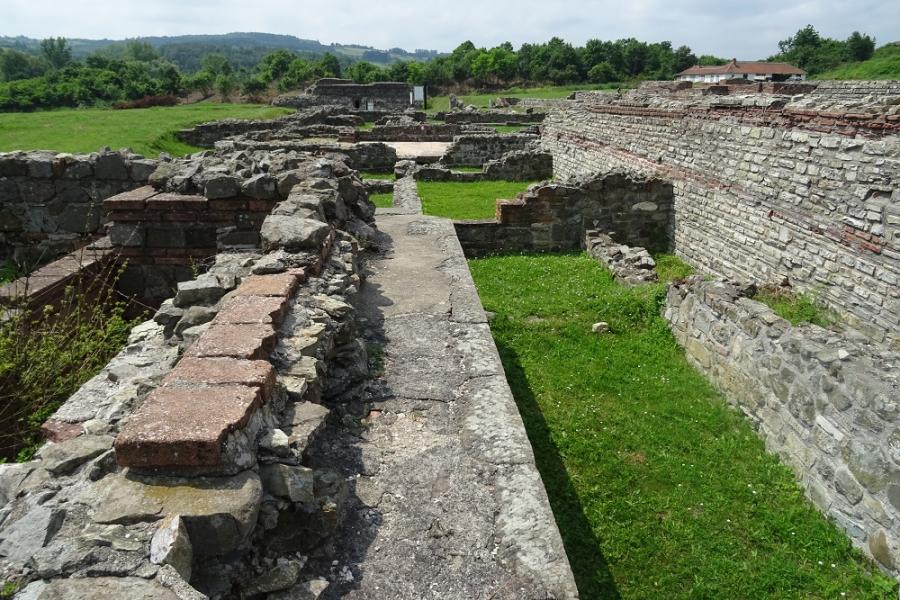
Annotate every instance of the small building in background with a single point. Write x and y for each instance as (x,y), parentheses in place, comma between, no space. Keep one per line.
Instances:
(749,70)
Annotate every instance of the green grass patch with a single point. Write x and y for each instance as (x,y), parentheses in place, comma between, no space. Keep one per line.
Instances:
(796,308)
(377,175)
(368,126)
(884,64)
(660,489)
(382,200)
(669,268)
(467,169)
(466,200)
(509,128)
(147,131)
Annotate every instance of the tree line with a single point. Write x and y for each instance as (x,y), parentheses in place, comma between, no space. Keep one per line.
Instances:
(135,70)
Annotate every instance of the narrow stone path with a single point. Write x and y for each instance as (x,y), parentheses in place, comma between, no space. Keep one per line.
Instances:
(446,501)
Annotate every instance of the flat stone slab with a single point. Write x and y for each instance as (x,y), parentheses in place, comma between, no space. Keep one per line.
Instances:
(448,502)
(95,588)
(282,284)
(185,427)
(219,371)
(219,512)
(253,310)
(248,342)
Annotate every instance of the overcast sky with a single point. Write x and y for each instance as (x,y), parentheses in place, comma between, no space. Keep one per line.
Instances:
(746,29)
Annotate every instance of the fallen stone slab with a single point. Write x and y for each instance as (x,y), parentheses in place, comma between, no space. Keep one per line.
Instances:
(290,233)
(218,512)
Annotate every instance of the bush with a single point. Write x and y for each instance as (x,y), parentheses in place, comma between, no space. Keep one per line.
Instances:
(46,354)
(148,102)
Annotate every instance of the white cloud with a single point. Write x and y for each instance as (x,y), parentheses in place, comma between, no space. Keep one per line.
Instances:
(749,29)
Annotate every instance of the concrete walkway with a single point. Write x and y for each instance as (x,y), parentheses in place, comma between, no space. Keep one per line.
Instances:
(448,503)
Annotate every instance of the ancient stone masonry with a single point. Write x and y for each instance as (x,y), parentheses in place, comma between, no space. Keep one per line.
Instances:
(206,135)
(492,116)
(555,216)
(203,205)
(630,265)
(374,156)
(416,132)
(826,401)
(49,201)
(156,476)
(370,97)
(473,150)
(518,165)
(766,187)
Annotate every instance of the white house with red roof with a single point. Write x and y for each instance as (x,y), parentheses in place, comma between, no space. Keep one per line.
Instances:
(749,70)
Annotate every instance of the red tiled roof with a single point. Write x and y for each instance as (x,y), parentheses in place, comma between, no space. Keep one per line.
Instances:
(746,68)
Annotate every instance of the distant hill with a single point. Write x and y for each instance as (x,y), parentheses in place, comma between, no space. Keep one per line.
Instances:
(242,49)
(884,64)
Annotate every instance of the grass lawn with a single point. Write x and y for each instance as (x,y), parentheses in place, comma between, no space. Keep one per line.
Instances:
(442,103)
(467,169)
(463,201)
(509,128)
(376,175)
(884,64)
(660,489)
(382,200)
(147,131)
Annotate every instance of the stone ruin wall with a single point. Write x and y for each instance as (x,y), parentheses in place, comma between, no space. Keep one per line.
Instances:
(763,191)
(152,481)
(474,150)
(826,402)
(52,201)
(554,216)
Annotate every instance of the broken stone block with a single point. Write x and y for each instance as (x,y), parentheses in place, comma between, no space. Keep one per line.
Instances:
(601,327)
(193,316)
(31,532)
(295,483)
(283,575)
(309,590)
(276,442)
(306,421)
(171,545)
(291,233)
(205,289)
(65,457)
(218,512)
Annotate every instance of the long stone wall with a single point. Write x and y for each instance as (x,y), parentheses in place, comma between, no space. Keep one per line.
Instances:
(473,150)
(51,201)
(764,190)
(825,401)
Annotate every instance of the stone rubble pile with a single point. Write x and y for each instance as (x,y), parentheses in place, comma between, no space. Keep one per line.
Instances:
(630,265)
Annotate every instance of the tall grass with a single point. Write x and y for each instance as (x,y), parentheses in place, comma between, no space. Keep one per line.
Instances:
(47,353)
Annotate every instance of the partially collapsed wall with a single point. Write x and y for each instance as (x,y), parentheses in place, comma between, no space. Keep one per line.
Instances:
(50,201)
(765,188)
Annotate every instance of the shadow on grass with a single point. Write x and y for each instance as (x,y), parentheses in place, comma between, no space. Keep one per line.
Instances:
(592,574)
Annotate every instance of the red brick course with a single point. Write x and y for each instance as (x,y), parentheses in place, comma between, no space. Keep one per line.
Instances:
(250,310)
(221,371)
(249,342)
(178,427)
(283,284)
